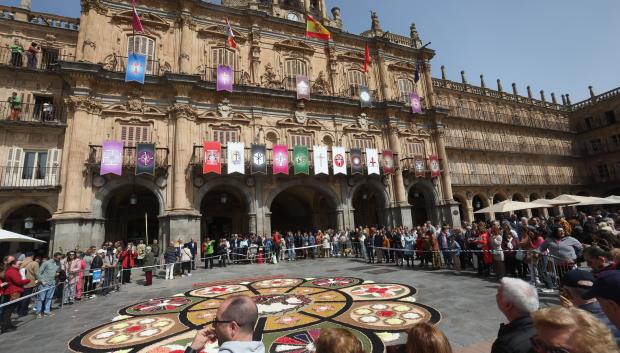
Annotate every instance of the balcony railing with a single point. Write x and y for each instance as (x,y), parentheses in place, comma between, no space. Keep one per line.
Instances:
(502,146)
(129,157)
(33,112)
(497,117)
(514,179)
(29,177)
(198,159)
(408,166)
(119,64)
(44,60)
(210,75)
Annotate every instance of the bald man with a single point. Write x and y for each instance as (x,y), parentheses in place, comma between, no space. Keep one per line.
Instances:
(233,328)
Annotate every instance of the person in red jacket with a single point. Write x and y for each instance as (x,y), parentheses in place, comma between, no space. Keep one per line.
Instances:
(484,244)
(12,291)
(126,258)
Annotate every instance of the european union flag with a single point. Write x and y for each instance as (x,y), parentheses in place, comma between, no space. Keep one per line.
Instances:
(136,68)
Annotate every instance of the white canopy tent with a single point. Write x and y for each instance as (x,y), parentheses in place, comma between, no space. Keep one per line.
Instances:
(507,206)
(7,236)
(586,200)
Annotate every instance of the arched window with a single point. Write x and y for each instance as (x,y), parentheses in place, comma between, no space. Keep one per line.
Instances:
(220,56)
(356,79)
(405,88)
(292,68)
(145,46)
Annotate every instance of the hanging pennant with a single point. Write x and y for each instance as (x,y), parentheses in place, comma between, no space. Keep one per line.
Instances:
(357,166)
(112,158)
(339,160)
(136,68)
(303,87)
(235,156)
(372,161)
(145,158)
(259,159)
(434,163)
(321,165)
(212,162)
(300,160)
(387,157)
(280,159)
(224,78)
(416,104)
(419,164)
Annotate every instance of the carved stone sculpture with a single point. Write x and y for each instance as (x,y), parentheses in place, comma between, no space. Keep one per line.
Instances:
(269,78)
(321,86)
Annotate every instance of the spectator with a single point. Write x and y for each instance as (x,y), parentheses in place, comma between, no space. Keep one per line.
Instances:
(574,285)
(12,291)
(337,340)
(170,257)
(149,265)
(47,277)
(186,260)
(15,103)
(233,328)
(126,259)
(565,248)
(193,247)
(222,252)
(48,112)
(96,265)
(516,299)
(71,266)
(109,267)
(559,329)
(16,53)
(207,250)
(156,250)
(599,260)
(606,290)
(30,266)
(31,55)
(140,251)
(426,338)
(495,241)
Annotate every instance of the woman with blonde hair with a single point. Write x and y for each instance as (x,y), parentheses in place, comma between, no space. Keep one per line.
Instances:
(337,340)
(571,330)
(426,338)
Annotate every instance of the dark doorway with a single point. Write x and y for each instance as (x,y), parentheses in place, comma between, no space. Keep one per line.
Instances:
(419,212)
(478,204)
(367,204)
(132,215)
(223,213)
(301,209)
(30,220)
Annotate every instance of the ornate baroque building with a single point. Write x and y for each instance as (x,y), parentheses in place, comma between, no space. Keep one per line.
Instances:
(492,144)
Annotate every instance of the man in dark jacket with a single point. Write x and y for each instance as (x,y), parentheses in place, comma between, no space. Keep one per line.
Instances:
(516,299)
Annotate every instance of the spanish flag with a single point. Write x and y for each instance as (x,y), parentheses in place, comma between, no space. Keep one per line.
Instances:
(314,29)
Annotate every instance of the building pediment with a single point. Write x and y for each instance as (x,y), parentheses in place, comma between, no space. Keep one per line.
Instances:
(295,45)
(221,31)
(352,56)
(133,106)
(148,20)
(233,117)
(402,66)
(300,120)
(412,132)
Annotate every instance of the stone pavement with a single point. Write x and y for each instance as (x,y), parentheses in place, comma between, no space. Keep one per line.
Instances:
(470,318)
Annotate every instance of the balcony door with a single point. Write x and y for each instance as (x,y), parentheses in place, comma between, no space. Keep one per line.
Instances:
(31,168)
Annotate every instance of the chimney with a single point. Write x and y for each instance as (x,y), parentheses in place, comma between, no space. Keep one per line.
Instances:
(542,95)
(529,92)
(553,99)
(443,72)
(568,99)
(482,84)
(514,89)
(499,85)
(563,100)
(463,79)
(592,95)
(26,4)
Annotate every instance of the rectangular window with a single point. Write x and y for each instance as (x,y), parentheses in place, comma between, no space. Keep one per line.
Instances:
(603,171)
(133,134)
(414,149)
(356,78)
(292,68)
(405,87)
(588,122)
(610,116)
(363,143)
(225,136)
(302,140)
(145,46)
(220,56)
(34,165)
(614,141)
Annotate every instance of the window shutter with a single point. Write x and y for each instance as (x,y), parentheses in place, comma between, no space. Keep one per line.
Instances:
(14,166)
(53,166)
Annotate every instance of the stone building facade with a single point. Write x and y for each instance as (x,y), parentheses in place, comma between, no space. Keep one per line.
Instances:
(491,144)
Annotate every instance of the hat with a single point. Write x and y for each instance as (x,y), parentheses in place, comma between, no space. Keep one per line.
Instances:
(606,286)
(578,279)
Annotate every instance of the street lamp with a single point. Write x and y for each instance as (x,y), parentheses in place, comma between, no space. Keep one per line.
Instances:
(133,199)
(28,222)
(364,196)
(224,198)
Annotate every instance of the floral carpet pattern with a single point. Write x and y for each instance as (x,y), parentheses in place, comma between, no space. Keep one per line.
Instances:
(292,313)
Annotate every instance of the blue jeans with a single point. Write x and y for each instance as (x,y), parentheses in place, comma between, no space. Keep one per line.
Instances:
(291,253)
(447,257)
(45,298)
(336,248)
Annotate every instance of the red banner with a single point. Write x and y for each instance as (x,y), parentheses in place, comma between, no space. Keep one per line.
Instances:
(433,160)
(211,162)
(388,161)
(280,159)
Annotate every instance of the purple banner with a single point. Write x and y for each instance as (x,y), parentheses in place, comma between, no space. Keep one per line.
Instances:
(224,78)
(416,105)
(303,87)
(112,158)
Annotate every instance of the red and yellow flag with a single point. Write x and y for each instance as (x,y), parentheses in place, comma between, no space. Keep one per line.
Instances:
(314,29)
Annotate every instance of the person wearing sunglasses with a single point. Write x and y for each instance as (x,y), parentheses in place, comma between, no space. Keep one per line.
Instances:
(232,328)
(570,330)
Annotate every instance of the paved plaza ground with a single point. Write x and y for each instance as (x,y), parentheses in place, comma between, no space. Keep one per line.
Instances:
(467,303)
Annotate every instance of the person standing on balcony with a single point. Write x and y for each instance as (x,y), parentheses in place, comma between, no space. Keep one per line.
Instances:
(15,103)
(16,53)
(31,55)
(48,112)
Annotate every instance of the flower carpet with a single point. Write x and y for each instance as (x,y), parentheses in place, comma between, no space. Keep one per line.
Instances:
(292,312)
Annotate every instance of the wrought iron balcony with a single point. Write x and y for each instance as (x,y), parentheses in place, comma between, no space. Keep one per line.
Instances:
(29,177)
(129,158)
(47,114)
(44,60)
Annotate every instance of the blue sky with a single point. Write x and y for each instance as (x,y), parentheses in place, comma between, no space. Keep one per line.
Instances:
(560,46)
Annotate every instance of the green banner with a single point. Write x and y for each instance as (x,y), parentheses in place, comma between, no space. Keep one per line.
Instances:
(145,158)
(300,160)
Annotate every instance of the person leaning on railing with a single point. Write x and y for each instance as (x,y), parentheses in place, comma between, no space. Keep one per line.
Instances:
(16,53)
(565,248)
(15,103)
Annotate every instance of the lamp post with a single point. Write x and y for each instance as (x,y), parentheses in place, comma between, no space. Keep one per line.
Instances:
(28,223)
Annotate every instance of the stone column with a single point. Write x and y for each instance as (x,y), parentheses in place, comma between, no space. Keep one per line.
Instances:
(252,225)
(428,83)
(340,223)
(400,195)
(255,57)
(333,67)
(384,88)
(307,5)
(446,183)
(183,116)
(188,38)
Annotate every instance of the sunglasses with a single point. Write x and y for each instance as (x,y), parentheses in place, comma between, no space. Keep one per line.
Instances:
(217,321)
(541,347)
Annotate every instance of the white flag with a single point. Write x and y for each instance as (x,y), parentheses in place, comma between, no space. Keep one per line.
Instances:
(235,157)
(321,166)
(339,160)
(372,161)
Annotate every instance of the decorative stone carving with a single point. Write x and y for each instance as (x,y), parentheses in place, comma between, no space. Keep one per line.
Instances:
(88,104)
(321,86)
(166,67)
(301,116)
(376,24)
(269,78)
(224,109)
(294,45)
(337,21)
(245,79)
(362,121)
(90,43)
(50,38)
(186,21)
(179,110)
(96,5)
(109,62)
(135,104)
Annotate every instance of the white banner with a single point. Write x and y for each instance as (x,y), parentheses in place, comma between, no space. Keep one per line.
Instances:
(321,166)
(372,161)
(339,160)
(235,157)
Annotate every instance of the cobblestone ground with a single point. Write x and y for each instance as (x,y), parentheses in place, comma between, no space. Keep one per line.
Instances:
(470,318)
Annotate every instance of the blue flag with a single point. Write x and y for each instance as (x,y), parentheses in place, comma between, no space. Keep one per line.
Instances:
(136,68)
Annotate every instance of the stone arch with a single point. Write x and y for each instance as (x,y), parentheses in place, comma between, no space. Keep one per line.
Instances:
(499,196)
(234,183)
(8,207)
(332,198)
(534,196)
(429,191)
(549,195)
(464,208)
(103,195)
(517,196)
(375,185)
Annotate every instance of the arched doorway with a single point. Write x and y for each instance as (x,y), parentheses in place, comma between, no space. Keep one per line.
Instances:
(520,198)
(367,202)
(302,208)
(479,202)
(422,199)
(497,198)
(224,212)
(33,221)
(535,211)
(131,214)
(463,209)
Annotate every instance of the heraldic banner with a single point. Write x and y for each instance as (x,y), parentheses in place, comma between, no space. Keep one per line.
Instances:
(339,160)
(280,159)
(112,158)
(212,152)
(388,162)
(372,161)
(235,157)
(300,160)
(145,158)
(259,159)
(321,161)
(435,168)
